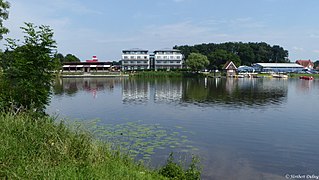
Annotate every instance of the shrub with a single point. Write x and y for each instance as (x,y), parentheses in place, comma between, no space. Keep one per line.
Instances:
(173,170)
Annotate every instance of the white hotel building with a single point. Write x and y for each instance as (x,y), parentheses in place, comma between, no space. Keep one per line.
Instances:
(138,59)
(168,59)
(134,59)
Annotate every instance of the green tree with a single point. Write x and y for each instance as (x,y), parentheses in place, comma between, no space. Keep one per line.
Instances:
(4,14)
(71,58)
(59,57)
(246,54)
(220,57)
(197,61)
(279,55)
(28,69)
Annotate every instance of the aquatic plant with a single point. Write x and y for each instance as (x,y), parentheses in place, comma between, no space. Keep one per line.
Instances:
(140,140)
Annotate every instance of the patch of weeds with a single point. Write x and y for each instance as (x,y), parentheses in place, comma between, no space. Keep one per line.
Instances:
(176,170)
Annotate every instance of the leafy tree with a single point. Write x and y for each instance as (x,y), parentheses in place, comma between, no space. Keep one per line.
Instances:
(316,64)
(59,57)
(71,58)
(197,61)
(28,69)
(67,58)
(279,54)
(248,53)
(4,14)
(220,57)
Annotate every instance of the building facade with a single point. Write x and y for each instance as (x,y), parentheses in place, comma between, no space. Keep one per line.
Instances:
(230,68)
(135,59)
(277,67)
(139,59)
(306,63)
(87,67)
(168,59)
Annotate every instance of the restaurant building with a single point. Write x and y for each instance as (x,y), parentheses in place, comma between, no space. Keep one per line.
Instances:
(88,66)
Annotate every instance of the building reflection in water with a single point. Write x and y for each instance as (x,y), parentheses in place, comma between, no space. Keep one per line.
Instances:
(168,90)
(144,90)
(202,91)
(71,86)
(235,92)
(135,91)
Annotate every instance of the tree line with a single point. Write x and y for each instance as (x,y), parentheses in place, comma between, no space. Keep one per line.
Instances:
(238,52)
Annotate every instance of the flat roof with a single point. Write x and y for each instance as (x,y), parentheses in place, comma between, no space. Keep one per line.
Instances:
(167,50)
(279,65)
(135,50)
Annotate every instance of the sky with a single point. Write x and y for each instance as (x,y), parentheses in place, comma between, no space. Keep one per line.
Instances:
(105,27)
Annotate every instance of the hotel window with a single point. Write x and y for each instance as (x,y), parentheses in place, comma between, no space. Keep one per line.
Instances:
(145,57)
(178,57)
(125,57)
(132,57)
(164,57)
(171,57)
(138,57)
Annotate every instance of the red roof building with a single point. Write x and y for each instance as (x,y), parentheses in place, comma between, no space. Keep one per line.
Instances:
(94,59)
(306,63)
(230,68)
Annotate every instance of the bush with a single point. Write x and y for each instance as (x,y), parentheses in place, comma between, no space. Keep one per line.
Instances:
(28,70)
(173,170)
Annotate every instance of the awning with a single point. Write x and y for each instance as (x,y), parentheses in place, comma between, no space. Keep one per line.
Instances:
(103,66)
(66,66)
(79,66)
(93,66)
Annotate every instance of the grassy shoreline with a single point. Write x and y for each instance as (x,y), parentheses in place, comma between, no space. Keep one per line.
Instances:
(40,148)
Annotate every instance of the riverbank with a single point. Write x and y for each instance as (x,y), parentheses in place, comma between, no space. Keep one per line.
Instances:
(42,149)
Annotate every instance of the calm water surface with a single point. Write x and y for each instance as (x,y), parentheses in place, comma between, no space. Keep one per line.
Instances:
(243,128)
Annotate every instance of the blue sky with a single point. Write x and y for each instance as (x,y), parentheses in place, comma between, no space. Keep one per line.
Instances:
(105,27)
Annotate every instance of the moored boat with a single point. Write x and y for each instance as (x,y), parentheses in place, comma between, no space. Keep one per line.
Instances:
(306,77)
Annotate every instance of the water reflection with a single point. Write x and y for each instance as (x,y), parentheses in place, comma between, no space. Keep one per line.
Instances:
(236,92)
(135,91)
(71,86)
(206,92)
(259,128)
(203,92)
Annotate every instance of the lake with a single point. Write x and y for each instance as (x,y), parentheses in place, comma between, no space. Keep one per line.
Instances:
(241,128)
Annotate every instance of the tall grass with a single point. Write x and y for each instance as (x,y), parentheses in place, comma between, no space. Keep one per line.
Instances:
(33,148)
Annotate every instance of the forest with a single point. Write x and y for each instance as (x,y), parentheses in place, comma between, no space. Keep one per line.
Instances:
(238,52)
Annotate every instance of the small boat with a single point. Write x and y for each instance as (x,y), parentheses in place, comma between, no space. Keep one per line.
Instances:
(306,77)
(280,76)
